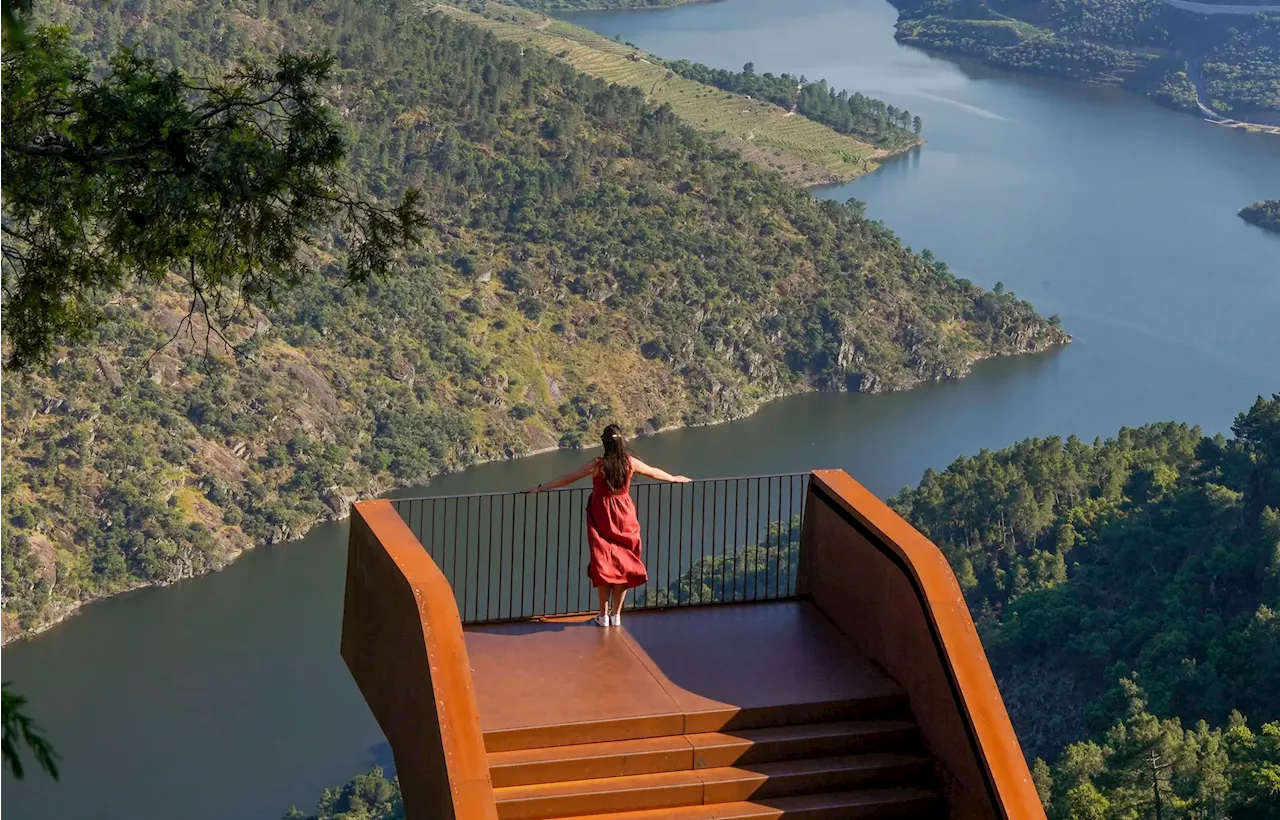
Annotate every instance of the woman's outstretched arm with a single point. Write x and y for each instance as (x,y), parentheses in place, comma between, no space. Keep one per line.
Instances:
(656,473)
(566,479)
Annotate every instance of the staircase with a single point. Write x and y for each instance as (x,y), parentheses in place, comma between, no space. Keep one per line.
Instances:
(853,686)
(847,759)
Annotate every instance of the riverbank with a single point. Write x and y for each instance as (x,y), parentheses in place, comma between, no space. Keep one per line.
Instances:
(1194,57)
(1156,57)
(341,511)
(804,152)
(1011,44)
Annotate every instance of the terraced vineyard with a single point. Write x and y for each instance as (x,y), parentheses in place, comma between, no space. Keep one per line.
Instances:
(803,151)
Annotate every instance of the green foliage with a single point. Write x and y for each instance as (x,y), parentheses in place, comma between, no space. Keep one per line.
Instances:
(19,728)
(1143,762)
(369,796)
(1242,70)
(801,149)
(1176,90)
(1144,45)
(1020,47)
(741,573)
(1154,556)
(12,24)
(1009,520)
(864,117)
(144,173)
(612,262)
(1264,214)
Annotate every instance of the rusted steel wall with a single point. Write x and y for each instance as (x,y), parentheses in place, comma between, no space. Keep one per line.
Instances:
(891,591)
(402,640)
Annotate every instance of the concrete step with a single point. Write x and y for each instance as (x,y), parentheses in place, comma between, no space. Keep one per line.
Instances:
(695,751)
(725,784)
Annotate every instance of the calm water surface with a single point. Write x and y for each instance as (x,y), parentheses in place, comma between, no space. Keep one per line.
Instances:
(225,696)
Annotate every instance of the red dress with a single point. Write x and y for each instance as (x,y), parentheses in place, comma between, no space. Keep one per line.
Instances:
(613,535)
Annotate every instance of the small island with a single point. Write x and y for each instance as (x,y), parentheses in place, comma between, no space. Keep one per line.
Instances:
(1264,214)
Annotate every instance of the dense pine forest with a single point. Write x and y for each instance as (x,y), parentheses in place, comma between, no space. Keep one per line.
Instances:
(587,257)
(1127,593)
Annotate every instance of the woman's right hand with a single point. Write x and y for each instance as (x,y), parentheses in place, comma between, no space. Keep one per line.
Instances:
(681,479)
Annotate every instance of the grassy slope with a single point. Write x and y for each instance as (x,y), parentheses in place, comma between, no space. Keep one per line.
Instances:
(802,151)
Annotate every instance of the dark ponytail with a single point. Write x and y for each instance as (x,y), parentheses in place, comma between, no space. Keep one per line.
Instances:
(616,463)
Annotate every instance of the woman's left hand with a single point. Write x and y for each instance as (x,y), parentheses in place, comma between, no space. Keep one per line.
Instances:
(533,490)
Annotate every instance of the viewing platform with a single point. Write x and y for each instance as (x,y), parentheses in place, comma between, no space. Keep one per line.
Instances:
(695,707)
(798,652)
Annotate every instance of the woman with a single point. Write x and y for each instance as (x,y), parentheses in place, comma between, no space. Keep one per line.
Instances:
(613,531)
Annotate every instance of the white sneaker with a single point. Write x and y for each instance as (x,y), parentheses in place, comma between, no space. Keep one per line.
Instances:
(601,620)
(615,620)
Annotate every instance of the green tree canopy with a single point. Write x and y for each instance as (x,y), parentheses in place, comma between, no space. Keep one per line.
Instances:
(146,173)
(9,18)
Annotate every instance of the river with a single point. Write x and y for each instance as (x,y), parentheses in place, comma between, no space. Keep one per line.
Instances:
(224,696)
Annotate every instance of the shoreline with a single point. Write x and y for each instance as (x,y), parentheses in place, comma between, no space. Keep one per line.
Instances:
(1193,65)
(1195,8)
(76,607)
(1207,114)
(753,128)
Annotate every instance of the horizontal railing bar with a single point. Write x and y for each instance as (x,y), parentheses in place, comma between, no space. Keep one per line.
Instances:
(394,499)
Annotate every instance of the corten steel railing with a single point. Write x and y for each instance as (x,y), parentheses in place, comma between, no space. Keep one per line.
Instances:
(512,556)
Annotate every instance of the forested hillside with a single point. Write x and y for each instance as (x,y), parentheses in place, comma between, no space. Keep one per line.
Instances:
(866,118)
(1125,589)
(834,139)
(588,259)
(1146,46)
